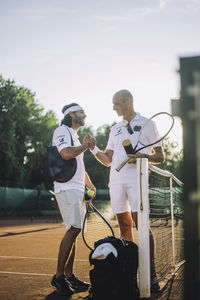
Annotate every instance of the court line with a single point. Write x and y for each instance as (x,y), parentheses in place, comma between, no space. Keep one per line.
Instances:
(21,273)
(31,257)
(19,227)
(14,233)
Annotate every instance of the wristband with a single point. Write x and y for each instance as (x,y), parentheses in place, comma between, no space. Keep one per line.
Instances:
(95,150)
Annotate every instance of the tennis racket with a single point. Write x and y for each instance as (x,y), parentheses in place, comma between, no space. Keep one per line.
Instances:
(95,226)
(164,122)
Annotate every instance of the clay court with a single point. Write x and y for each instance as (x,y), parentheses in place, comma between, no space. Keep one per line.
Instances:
(28,256)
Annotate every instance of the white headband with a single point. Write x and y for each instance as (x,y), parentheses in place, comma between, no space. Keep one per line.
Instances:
(72,109)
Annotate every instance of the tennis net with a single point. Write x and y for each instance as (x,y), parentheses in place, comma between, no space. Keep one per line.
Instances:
(161,207)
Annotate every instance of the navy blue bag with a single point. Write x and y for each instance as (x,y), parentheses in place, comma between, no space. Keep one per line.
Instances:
(115,277)
(61,170)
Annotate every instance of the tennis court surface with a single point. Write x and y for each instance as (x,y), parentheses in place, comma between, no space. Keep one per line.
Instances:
(28,256)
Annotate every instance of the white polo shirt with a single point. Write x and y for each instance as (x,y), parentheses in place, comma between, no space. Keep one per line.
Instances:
(62,139)
(117,135)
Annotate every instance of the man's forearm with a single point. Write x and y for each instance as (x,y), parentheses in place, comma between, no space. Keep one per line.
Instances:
(72,152)
(88,182)
(156,158)
(103,158)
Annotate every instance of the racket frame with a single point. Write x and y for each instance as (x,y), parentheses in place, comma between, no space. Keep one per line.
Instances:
(129,159)
(89,205)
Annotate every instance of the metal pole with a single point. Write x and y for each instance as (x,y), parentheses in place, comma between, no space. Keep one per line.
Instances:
(143,227)
(188,108)
(172,220)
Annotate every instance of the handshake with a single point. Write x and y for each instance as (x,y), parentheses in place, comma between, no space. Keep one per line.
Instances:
(90,141)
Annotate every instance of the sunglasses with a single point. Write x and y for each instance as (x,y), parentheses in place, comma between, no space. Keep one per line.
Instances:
(129,129)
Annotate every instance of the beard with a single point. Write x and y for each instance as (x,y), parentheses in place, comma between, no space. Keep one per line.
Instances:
(80,121)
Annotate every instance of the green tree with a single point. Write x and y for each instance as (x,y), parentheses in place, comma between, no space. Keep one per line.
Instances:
(36,162)
(173,158)
(24,132)
(100,173)
(97,172)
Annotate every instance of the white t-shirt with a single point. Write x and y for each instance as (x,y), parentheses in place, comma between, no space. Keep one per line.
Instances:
(62,139)
(117,135)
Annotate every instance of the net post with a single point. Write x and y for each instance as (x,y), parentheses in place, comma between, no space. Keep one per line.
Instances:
(143,227)
(172,220)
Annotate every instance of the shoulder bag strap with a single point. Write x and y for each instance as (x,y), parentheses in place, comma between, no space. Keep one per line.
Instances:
(72,142)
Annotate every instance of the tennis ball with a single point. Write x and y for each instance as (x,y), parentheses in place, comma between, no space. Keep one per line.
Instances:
(52,198)
(132,160)
(90,193)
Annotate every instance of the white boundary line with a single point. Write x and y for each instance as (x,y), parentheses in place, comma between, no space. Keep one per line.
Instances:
(30,257)
(21,273)
(18,227)
(29,274)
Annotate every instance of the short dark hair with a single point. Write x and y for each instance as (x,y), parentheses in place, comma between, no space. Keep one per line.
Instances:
(67,120)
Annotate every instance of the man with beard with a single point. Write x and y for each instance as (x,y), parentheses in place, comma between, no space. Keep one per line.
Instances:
(70,197)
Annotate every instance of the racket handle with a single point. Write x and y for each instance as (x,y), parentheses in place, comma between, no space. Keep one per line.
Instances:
(128,146)
(129,159)
(129,150)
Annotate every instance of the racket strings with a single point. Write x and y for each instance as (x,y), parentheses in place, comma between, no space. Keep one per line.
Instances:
(95,228)
(160,125)
(152,133)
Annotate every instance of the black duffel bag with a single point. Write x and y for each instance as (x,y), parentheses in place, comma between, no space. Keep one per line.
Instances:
(61,170)
(115,277)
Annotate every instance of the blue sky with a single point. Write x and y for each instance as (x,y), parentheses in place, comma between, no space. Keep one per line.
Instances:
(85,50)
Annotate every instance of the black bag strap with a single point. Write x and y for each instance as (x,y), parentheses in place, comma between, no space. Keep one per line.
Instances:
(72,142)
(60,170)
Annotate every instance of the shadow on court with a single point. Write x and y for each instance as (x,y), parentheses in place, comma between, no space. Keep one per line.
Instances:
(25,232)
(28,257)
(54,296)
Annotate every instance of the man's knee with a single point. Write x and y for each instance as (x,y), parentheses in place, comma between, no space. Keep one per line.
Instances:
(125,224)
(73,232)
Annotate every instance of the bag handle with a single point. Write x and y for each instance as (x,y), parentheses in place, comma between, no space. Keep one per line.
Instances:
(72,142)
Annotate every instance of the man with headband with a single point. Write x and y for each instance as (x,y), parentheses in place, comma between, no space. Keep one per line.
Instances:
(69,196)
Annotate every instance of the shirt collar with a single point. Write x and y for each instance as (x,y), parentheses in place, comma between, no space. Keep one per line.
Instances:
(136,118)
(72,130)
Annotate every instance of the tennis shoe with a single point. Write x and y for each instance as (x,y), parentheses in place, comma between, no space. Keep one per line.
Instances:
(77,284)
(62,286)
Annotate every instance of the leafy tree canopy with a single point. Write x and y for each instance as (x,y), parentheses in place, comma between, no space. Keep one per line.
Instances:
(173,158)
(25,131)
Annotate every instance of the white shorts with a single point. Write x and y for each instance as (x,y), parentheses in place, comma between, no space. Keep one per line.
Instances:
(124,197)
(72,207)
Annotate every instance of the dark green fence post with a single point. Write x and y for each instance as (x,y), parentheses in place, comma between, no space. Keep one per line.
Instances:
(188,108)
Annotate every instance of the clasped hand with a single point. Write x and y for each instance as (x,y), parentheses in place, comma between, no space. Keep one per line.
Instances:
(90,141)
